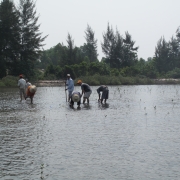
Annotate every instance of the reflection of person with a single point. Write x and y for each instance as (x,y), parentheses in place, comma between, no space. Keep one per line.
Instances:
(86,90)
(30,92)
(75,97)
(105,93)
(70,86)
(22,86)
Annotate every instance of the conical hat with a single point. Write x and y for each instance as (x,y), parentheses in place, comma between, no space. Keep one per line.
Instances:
(75,97)
(33,89)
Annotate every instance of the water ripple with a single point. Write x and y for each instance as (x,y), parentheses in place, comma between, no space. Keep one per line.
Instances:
(134,136)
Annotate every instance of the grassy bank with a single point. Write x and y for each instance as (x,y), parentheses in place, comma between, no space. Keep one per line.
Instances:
(114,80)
(11,81)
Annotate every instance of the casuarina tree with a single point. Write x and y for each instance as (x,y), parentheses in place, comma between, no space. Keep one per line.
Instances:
(112,47)
(9,37)
(119,52)
(129,51)
(31,39)
(90,47)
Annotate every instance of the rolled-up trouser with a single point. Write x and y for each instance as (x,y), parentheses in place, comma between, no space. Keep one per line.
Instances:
(105,93)
(70,94)
(22,92)
(87,94)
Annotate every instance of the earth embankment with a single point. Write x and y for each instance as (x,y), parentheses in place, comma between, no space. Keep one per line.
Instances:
(49,83)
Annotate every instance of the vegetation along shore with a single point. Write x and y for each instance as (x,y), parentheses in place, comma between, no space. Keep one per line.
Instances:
(21,47)
(11,81)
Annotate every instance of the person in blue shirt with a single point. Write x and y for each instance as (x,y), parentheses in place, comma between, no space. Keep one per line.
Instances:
(70,86)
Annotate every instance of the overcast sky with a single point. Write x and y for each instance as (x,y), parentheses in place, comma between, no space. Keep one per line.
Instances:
(145,20)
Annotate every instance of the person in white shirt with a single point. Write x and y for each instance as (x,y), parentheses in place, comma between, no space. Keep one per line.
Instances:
(70,86)
(22,86)
(28,83)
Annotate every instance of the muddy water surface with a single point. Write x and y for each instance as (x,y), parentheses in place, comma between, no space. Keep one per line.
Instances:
(136,135)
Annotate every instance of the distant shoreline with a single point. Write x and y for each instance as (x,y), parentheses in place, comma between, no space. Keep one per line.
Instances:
(49,83)
(54,83)
(12,82)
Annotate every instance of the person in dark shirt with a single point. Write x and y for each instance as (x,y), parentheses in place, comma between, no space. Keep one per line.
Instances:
(86,90)
(105,93)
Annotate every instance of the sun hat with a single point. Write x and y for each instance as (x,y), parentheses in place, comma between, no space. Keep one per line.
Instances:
(33,89)
(75,97)
(68,75)
(79,82)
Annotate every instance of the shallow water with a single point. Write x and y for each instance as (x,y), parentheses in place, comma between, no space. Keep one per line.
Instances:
(136,135)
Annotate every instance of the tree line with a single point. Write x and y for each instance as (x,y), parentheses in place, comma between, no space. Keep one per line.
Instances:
(120,57)
(20,39)
(119,52)
(21,51)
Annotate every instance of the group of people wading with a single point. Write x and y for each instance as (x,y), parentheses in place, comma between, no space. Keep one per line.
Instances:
(27,90)
(75,96)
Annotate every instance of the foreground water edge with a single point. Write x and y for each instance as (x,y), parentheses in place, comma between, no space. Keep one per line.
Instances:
(134,136)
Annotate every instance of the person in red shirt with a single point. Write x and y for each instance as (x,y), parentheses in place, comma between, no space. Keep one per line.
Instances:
(31,90)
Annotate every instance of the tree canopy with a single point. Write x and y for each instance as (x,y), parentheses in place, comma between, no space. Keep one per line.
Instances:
(120,52)
(21,42)
(21,50)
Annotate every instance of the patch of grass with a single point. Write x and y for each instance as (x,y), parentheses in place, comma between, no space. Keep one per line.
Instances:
(10,81)
(2,84)
(114,80)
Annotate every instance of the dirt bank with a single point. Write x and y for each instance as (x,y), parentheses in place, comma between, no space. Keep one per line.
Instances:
(55,83)
(167,81)
(49,83)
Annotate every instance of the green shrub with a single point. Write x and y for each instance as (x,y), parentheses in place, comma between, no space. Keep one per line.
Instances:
(10,81)
(2,84)
(173,74)
(114,80)
(50,77)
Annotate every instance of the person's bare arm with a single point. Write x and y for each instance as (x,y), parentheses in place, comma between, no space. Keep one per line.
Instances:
(99,96)
(82,92)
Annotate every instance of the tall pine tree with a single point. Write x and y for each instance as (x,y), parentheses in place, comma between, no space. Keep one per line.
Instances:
(31,39)
(119,52)
(112,47)
(130,52)
(90,47)
(70,50)
(161,55)
(9,37)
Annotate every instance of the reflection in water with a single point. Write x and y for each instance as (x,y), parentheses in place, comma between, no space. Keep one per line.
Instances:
(86,106)
(133,136)
(106,105)
(103,105)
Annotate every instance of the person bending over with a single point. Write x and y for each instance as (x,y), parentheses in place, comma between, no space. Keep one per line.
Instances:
(105,93)
(75,97)
(31,90)
(86,90)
